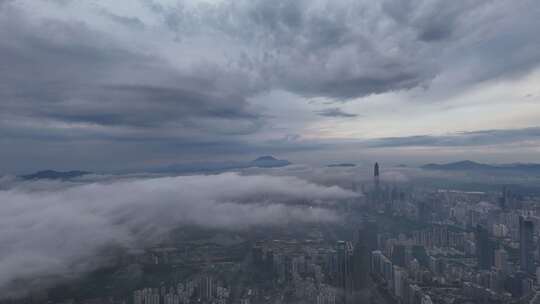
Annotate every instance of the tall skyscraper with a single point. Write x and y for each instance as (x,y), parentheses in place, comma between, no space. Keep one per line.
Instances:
(206,287)
(361,265)
(501,260)
(419,253)
(400,282)
(345,268)
(503,200)
(484,248)
(399,255)
(365,244)
(424,212)
(258,255)
(376,180)
(526,245)
(376,195)
(368,234)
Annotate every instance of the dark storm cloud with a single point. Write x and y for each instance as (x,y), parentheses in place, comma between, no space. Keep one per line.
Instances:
(476,138)
(336,112)
(5,2)
(432,21)
(436,32)
(150,106)
(344,50)
(348,49)
(311,48)
(67,79)
(65,73)
(132,22)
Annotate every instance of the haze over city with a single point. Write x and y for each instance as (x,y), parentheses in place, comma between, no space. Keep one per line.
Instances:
(257,151)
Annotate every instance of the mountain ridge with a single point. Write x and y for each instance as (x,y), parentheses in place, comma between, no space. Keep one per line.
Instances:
(468,165)
(55,175)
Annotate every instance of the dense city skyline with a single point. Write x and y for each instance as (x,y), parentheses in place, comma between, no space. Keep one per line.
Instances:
(269,152)
(273,234)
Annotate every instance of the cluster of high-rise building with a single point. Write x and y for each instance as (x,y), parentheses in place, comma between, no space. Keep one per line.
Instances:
(477,246)
(351,273)
(204,289)
(400,244)
(303,269)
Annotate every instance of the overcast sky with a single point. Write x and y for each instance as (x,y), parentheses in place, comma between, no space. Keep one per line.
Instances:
(119,85)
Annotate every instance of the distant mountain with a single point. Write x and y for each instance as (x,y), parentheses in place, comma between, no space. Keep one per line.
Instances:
(51,174)
(461,165)
(269,162)
(266,158)
(341,165)
(520,166)
(468,165)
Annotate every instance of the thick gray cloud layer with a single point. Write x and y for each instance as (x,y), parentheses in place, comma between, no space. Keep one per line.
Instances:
(64,72)
(51,229)
(181,76)
(476,138)
(336,112)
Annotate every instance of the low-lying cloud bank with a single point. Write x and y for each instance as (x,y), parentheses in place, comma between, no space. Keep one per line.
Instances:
(60,230)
